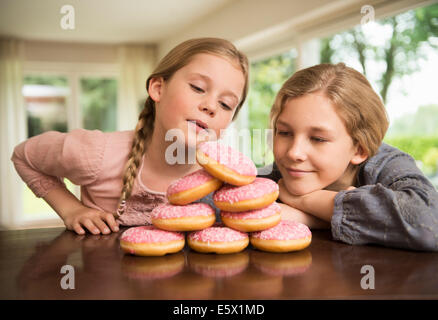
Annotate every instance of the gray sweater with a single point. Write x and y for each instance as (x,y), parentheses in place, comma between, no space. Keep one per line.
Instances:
(394,204)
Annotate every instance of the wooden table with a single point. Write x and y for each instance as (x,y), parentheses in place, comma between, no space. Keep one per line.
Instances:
(31,262)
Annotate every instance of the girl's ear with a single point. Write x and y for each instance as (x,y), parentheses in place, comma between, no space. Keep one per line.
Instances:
(359,156)
(155,89)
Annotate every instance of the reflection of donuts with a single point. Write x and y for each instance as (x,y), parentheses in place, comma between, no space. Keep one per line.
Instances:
(252,284)
(149,241)
(253,220)
(218,240)
(286,264)
(226,163)
(259,194)
(149,268)
(195,216)
(192,187)
(218,265)
(285,236)
(184,286)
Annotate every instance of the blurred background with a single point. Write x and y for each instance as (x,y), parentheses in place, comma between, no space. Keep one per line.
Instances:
(83,64)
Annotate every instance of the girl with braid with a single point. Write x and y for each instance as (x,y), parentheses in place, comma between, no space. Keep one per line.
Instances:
(198,87)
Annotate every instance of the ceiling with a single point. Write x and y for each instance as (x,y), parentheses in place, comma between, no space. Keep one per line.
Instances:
(103,21)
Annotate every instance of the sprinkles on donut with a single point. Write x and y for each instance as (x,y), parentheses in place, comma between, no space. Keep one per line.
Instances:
(284,237)
(225,163)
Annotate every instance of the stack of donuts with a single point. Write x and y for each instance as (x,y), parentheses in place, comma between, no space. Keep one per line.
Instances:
(247,205)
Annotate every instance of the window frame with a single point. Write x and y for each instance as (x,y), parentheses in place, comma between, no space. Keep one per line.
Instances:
(73,72)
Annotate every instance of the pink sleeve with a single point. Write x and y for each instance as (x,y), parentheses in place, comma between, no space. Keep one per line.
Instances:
(44,160)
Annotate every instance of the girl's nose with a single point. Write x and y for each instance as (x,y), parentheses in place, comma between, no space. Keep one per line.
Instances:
(209,107)
(297,150)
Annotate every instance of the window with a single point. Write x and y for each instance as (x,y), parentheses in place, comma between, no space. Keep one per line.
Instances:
(50,104)
(398,56)
(46,103)
(98,101)
(267,77)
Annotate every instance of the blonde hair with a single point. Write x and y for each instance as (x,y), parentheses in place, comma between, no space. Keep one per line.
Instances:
(357,104)
(177,58)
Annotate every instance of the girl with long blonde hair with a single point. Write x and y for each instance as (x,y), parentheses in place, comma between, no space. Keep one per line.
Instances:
(198,87)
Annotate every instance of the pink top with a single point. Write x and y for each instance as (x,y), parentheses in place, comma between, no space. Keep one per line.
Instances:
(217,234)
(169,211)
(92,159)
(257,189)
(285,230)
(229,157)
(190,181)
(268,211)
(150,234)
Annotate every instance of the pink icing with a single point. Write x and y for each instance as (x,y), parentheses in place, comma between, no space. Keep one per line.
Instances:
(169,211)
(217,234)
(285,230)
(190,181)
(268,211)
(257,189)
(150,234)
(229,157)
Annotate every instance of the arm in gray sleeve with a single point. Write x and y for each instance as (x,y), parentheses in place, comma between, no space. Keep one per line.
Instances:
(396,206)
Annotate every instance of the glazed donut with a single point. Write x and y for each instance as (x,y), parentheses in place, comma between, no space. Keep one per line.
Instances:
(225,163)
(253,220)
(284,237)
(218,240)
(150,241)
(259,194)
(195,216)
(192,187)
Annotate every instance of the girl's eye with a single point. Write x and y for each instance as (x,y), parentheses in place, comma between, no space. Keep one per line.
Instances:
(196,88)
(227,107)
(283,133)
(318,139)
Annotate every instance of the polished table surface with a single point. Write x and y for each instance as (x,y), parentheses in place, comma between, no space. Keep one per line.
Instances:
(31,263)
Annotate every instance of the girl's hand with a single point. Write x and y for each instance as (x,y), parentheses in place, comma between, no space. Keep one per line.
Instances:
(286,197)
(94,220)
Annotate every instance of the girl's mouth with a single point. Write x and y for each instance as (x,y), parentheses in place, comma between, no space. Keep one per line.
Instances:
(199,125)
(297,172)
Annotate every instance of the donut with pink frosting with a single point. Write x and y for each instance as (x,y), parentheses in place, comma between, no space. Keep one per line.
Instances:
(218,239)
(192,187)
(195,216)
(253,220)
(225,163)
(150,241)
(284,237)
(259,194)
